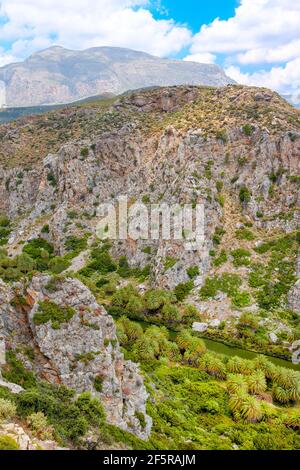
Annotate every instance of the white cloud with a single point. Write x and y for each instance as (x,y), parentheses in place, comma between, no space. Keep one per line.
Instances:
(263,34)
(203,58)
(258,26)
(78,24)
(7,59)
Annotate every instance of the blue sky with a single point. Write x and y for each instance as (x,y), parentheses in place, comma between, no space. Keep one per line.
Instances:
(257,42)
(196,13)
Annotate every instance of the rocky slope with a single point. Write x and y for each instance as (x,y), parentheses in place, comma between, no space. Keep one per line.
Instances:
(58,75)
(79,353)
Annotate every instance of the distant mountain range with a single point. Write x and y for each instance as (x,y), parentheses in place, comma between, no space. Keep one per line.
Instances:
(58,75)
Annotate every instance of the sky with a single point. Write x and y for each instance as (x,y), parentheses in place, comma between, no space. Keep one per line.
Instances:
(257,42)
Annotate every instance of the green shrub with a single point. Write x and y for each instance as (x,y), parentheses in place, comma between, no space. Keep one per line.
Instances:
(124,269)
(247,323)
(220,199)
(193,272)
(4,221)
(169,262)
(25,263)
(248,130)
(221,259)
(72,214)
(84,152)
(219,186)
(49,311)
(128,332)
(45,229)
(52,179)
(141,417)
(241,299)
(71,418)
(102,282)
(75,244)
(241,257)
(146,199)
(4,229)
(183,289)
(227,283)
(38,423)
(7,410)
(58,264)
(170,313)
(157,298)
(222,135)
(98,383)
(244,234)
(38,248)
(15,372)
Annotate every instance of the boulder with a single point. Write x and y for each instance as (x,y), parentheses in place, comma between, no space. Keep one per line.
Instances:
(200,327)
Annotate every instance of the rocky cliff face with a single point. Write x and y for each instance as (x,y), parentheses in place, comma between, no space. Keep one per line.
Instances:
(234,149)
(171,144)
(82,353)
(58,75)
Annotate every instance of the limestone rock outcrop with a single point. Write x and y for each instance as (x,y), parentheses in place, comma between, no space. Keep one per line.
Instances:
(82,351)
(294,298)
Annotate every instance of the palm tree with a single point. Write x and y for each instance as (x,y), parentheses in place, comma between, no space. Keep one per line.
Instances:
(257,382)
(213,365)
(237,365)
(145,349)
(183,340)
(173,351)
(194,350)
(282,377)
(128,331)
(294,392)
(262,363)
(236,402)
(236,383)
(251,410)
(245,407)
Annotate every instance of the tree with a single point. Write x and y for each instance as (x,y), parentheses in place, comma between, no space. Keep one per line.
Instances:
(157,298)
(245,407)
(237,382)
(128,331)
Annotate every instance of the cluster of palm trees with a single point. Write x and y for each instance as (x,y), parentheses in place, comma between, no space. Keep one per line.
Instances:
(247,387)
